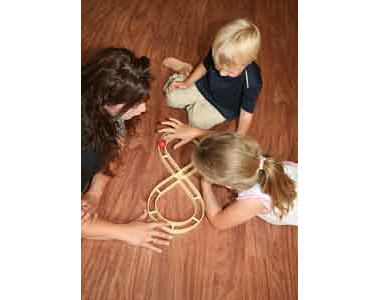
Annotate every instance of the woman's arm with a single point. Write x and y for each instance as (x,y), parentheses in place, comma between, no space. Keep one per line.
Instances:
(135,233)
(181,131)
(198,72)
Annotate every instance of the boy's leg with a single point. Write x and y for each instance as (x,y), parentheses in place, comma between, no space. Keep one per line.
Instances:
(178,66)
(180,98)
(202,114)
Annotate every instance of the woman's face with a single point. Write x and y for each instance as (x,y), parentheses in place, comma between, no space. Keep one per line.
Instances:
(132,112)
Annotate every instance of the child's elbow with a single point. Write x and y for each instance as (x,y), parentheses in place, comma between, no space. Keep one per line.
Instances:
(218,225)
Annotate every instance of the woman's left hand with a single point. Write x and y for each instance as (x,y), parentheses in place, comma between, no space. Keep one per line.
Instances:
(88,211)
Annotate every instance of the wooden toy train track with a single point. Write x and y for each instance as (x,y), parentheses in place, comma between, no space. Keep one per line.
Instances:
(179,176)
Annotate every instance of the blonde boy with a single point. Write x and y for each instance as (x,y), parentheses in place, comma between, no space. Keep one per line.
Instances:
(225,85)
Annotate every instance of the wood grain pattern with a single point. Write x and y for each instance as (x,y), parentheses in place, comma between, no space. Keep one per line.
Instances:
(252,261)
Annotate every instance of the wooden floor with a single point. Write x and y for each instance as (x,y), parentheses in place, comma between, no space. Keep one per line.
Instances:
(253,261)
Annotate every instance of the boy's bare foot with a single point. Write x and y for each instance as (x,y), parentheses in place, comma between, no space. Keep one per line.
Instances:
(178,66)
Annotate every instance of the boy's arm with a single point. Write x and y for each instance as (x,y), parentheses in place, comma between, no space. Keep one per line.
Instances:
(245,120)
(198,72)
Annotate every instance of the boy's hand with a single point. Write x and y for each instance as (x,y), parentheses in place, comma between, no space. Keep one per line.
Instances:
(179,85)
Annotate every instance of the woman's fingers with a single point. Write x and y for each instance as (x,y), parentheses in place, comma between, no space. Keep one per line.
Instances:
(162,235)
(176,121)
(151,247)
(170,123)
(180,144)
(167,130)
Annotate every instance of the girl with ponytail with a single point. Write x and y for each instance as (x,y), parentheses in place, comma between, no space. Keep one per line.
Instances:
(265,187)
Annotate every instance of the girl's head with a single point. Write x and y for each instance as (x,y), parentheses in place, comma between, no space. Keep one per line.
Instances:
(232,160)
(114,85)
(235,46)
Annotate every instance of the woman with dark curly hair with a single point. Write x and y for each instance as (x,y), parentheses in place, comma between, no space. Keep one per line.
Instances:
(114,88)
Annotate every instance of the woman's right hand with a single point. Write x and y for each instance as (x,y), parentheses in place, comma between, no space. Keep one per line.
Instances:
(143,234)
(178,130)
(179,85)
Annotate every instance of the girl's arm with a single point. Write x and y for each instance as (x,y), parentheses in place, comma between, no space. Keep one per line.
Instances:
(234,214)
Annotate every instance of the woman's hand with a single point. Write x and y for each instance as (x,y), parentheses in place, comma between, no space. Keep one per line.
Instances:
(143,234)
(181,131)
(88,211)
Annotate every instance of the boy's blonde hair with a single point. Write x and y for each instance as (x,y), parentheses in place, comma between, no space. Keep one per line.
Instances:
(236,43)
(232,160)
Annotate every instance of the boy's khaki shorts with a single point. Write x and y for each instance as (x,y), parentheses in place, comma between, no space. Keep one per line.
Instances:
(201,113)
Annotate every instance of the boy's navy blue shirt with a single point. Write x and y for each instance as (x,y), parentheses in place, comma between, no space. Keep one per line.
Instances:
(229,94)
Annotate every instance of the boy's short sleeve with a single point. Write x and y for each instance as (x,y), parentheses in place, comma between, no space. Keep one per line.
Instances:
(249,98)
(208,61)
(251,90)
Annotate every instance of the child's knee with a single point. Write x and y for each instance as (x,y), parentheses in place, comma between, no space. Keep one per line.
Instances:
(202,118)
(172,98)
(173,78)
(201,122)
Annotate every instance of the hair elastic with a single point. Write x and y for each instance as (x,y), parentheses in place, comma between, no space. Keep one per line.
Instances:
(261,164)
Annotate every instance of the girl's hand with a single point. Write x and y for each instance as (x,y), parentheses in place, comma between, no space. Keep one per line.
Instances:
(143,234)
(205,181)
(179,130)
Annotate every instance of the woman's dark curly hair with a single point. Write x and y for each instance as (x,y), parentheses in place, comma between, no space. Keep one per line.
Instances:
(115,76)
